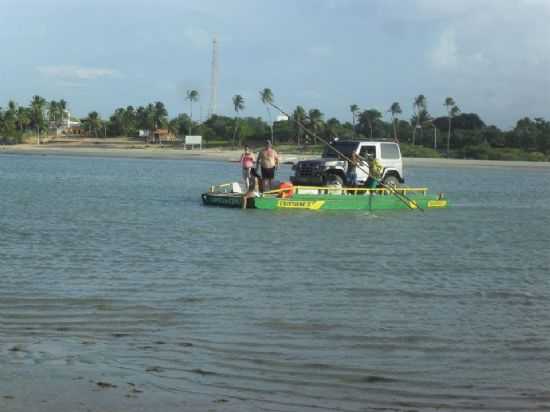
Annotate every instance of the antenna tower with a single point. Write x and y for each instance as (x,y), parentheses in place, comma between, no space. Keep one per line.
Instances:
(214,80)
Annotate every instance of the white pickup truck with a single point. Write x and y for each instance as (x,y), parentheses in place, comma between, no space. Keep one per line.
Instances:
(332,170)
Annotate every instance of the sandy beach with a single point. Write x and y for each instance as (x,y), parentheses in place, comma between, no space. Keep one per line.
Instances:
(125,148)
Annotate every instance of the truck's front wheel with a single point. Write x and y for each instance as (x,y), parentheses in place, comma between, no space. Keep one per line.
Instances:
(334,180)
(391,180)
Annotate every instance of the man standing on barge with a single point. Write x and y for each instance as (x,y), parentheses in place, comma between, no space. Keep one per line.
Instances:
(268,159)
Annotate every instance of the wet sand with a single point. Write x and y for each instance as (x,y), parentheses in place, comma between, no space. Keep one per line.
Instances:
(50,375)
(101,149)
(54,389)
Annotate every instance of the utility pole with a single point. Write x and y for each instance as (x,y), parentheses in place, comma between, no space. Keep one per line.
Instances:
(214,79)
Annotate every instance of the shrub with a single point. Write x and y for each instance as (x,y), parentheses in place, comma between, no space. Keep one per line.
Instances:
(408,150)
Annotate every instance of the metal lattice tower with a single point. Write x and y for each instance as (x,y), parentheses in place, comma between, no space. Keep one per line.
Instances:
(214,80)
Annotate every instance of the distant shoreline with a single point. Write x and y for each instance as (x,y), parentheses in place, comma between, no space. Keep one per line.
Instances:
(100,149)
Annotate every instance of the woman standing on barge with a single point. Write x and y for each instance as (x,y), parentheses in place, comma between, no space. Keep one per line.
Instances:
(247,163)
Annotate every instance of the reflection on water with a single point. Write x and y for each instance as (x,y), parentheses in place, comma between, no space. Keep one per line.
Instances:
(115,263)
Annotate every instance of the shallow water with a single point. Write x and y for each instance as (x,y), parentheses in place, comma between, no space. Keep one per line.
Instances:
(115,264)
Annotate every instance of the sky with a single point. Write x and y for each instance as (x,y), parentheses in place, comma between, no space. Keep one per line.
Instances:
(491,56)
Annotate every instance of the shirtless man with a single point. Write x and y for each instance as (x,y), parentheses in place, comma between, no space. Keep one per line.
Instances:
(268,159)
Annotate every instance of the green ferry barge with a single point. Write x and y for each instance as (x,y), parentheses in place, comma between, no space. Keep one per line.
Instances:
(327,198)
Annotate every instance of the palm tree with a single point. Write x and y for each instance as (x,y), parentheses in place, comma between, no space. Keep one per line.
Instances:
(129,120)
(315,118)
(423,118)
(370,116)
(395,110)
(299,117)
(53,111)
(266,95)
(354,109)
(23,115)
(333,127)
(62,106)
(8,121)
(160,113)
(150,120)
(37,114)
(429,121)
(238,105)
(12,106)
(141,118)
(10,115)
(420,103)
(94,122)
(452,110)
(455,111)
(192,96)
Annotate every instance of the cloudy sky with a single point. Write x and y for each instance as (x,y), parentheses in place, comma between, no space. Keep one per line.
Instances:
(491,56)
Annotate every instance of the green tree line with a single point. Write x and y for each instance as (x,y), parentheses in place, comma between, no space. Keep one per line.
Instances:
(455,134)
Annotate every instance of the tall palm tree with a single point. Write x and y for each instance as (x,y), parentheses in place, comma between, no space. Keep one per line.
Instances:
(455,111)
(149,118)
(315,118)
(238,105)
(354,109)
(370,116)
(141,118)
(62,106)
(129,120)
(12,106)
(192,96)
(266,95)
(395,110)
(298,117)
(10,116)
(38,104)
(452,110)
(160,114)
(23,115)
(94,122)
(423,118)
(53,111)
(333,128)
(420,103)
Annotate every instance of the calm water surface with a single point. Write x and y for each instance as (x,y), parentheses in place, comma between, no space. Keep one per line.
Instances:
(115,263)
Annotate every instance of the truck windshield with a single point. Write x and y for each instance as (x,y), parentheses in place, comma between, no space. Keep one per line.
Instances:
(347,148)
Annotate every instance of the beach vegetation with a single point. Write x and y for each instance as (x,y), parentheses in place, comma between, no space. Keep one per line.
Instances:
(459,134)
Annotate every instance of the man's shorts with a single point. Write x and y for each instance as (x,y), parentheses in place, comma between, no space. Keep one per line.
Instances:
(268,173)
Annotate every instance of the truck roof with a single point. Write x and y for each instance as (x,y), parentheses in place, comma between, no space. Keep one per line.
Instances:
(365,141)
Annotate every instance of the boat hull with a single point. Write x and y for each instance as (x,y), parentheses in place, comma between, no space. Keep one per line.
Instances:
(351,202)
(226,200)
(329,198)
